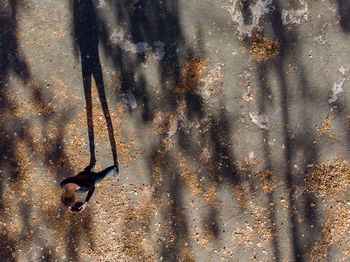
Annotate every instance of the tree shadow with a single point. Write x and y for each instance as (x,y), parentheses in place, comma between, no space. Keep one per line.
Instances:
(223,157)
(168,188)
(148,23)
(18,141)
(152,24)
(10,61)
(86,36)
(344,13)
(300,245)
(154,27)
(156,24)
(211,223)
(265,93)
(302,237)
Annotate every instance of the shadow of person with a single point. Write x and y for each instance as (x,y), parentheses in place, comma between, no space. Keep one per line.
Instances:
(86,40)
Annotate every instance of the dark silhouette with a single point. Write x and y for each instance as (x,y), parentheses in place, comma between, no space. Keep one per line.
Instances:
(246,12)
(83,182)
(87,38)
(344,13)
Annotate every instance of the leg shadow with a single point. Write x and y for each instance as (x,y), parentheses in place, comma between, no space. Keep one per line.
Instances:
(86,39)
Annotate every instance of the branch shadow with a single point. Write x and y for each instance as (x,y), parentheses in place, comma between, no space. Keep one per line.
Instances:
(344,13)
(10,61)
(156,25)
(265,92)
(17,136)
(151,26)
(300,245)
(148,23)
(168,187)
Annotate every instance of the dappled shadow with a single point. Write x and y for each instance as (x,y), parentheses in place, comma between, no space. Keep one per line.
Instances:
(344,14)
(294,182)
(157,24)
(223,158)
(191,146)
(166,178)
(10,62)
(211,223)
(154,32)
(151,29)
(265,93)
(32,133)
(149,32)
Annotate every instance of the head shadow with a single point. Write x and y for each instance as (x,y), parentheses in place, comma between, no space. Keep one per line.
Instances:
(86,40)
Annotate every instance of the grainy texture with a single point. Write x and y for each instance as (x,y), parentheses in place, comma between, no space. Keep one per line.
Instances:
(230,119)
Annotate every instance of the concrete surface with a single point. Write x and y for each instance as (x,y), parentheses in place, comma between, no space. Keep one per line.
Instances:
(201,179)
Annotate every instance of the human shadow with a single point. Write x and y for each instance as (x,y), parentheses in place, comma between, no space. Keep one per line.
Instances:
(18,142)
(86,36)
